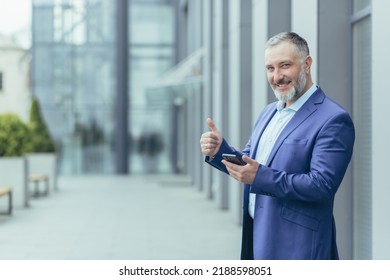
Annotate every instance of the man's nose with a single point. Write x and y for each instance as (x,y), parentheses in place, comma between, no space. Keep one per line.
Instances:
(277,75)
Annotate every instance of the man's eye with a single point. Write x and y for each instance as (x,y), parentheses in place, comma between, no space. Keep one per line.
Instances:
(286,65)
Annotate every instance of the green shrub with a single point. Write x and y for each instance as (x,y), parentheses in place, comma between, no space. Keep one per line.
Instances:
(40,140)
(150,144)
(14,136)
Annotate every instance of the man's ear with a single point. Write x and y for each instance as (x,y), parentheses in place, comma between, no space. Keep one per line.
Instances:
(308,62)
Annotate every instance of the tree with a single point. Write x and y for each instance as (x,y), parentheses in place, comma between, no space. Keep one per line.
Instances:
(150,144)
(40,141)
(14,136)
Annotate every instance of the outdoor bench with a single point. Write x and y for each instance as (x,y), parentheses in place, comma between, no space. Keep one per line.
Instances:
(7,191)
(37,179)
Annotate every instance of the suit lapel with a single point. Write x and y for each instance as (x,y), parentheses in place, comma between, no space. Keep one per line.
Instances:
(300,116)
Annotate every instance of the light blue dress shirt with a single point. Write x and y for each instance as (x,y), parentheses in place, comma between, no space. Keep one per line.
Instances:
(272,132)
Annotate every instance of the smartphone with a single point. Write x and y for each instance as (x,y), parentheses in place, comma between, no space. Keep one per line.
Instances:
(234,159)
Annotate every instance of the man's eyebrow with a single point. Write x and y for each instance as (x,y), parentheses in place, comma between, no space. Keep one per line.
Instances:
(286,61)
(279,63)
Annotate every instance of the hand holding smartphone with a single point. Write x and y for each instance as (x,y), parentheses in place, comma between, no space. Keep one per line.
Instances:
(234,159)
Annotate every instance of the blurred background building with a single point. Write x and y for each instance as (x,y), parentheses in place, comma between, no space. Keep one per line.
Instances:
(14,77)
(126,87)
(98,113)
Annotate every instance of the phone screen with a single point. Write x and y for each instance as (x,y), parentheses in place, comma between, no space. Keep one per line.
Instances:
(234,159)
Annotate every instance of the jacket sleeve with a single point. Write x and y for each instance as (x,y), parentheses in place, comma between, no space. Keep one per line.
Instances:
(330,156)
(216,160)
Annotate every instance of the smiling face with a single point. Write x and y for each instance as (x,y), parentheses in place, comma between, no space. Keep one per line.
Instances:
(287,73)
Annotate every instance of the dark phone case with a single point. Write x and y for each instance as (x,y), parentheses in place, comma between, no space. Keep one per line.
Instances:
(234,159)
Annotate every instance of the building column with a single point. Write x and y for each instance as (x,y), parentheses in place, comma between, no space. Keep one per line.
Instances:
(240,88)
(380,135)
(337,83)
(304,21)
(260,84)
(220,72)
(207,66)
(122,100)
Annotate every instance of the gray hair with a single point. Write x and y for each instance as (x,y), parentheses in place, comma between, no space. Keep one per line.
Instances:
(300,43)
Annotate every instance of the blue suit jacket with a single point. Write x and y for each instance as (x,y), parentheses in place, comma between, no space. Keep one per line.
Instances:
(296,187)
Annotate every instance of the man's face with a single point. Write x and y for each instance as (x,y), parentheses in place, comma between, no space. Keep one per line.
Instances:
(286,72)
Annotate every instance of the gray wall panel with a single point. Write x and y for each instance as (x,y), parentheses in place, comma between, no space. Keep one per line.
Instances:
(334,77)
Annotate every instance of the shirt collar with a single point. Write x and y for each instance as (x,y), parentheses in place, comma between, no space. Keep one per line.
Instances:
(300,101)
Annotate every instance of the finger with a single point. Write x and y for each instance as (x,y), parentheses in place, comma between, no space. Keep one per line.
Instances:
(209,141)
(230,166)
(247,159)
(208,146)
(209,135)
(211,125)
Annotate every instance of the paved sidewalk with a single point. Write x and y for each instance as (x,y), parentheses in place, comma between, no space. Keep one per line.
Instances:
(120,217)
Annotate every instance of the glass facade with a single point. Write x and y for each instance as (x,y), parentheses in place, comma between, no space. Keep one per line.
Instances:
(73,74)
(152,42)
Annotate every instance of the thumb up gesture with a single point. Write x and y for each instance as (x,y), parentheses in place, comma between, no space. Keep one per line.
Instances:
(211,141)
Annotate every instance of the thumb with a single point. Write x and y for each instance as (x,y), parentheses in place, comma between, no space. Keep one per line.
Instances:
(211,125)
(248,159)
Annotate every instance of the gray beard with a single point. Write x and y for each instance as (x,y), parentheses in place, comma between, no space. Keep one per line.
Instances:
(293,92)
(287,96)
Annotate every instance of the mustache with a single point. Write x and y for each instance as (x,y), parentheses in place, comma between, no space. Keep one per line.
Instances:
(282,82)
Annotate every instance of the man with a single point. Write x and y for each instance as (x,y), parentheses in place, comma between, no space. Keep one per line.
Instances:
(296,158)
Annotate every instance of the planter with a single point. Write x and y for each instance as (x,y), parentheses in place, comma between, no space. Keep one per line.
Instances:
(13,174)
(44,164)
(150,164)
